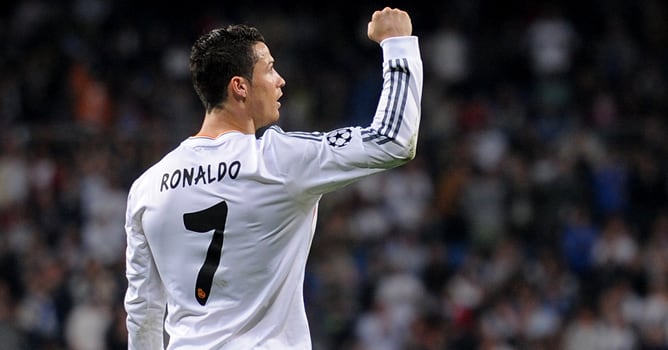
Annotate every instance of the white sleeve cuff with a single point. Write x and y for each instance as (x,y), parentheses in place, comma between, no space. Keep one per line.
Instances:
(400,47)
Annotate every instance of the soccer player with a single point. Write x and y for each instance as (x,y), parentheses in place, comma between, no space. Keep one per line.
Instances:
(219,230)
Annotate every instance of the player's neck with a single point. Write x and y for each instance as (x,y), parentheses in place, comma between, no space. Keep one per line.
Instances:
(220,121)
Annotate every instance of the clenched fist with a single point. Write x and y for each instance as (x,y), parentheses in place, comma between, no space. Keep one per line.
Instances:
(389,23)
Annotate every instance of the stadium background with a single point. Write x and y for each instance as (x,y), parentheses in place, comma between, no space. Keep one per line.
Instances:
(534,216)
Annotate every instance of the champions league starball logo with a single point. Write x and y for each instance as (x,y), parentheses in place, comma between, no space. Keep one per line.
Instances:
(339,138)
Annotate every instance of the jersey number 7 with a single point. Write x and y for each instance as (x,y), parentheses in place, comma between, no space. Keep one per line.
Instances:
(212,218)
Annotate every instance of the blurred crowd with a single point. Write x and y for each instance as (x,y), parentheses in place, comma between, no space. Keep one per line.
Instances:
(535,215)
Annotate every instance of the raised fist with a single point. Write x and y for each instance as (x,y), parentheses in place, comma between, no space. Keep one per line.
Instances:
(389,23)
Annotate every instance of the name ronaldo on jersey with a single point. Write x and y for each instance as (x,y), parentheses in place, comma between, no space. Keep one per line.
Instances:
(199,175)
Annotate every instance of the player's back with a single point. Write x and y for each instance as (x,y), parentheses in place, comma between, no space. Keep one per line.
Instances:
(244,285)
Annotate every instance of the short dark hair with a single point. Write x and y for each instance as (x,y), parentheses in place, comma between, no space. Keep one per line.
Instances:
(219,55)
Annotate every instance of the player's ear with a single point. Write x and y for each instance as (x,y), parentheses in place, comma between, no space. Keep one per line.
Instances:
(238,87)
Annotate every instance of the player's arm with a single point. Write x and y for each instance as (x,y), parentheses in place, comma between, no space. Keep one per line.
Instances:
(397,116)
(322,162)
(144,298)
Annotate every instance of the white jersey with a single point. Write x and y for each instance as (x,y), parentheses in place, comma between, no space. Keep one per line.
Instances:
(219,230)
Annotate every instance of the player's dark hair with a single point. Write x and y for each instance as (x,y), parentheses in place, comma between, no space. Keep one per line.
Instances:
(218,56)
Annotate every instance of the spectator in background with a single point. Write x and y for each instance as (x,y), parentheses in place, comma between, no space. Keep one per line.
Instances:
(11,336)
(615,249)
(552,42)
(447,53)
(578,237)
(14,170)
(583,330)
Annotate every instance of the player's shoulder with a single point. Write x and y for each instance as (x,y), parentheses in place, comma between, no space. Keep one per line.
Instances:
(274,131)
(274,137)
(337,138)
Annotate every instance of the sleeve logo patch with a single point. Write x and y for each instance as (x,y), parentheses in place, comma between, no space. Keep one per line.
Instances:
(339,138)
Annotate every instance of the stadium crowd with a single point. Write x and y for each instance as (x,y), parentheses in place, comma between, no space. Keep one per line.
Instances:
(534,216)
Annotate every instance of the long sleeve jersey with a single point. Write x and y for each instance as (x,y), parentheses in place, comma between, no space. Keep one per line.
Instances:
(219,230)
